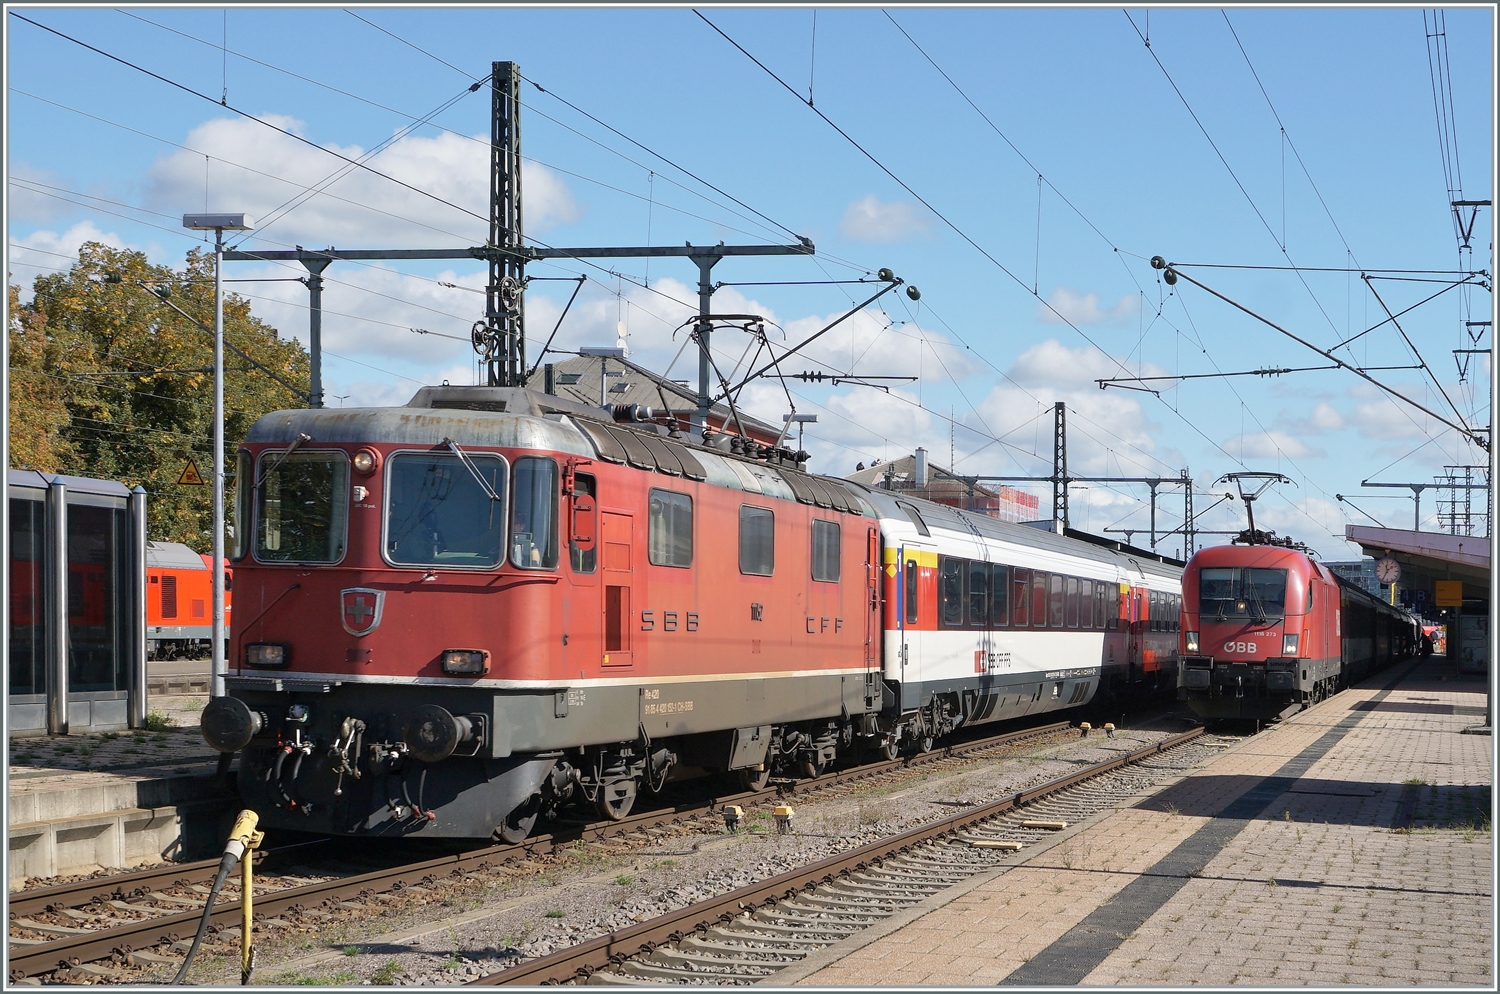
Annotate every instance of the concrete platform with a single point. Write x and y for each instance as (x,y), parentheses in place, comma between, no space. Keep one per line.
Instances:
(1350,845)
(79,803)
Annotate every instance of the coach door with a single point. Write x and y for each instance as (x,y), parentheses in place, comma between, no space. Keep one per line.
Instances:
(874,576)
(617,542)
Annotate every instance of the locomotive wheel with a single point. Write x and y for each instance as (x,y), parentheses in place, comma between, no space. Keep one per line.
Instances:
(753,779)
(924,744)
(519,823)
(811,769)
(889,749)
(616,799)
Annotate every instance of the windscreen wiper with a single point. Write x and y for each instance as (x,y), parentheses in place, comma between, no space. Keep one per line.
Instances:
(463,457)
(301,437)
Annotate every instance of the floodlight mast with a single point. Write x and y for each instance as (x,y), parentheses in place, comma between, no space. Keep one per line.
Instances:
(218,224)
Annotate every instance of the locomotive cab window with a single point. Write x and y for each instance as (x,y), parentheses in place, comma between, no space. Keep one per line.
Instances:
(437,514)
(533,516)
(827,549)
(301,507)
(757,540)
(670,530)
(1241,592)
(241,506)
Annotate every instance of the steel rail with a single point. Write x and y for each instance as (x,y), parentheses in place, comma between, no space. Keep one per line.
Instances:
(615,947)
(121,940)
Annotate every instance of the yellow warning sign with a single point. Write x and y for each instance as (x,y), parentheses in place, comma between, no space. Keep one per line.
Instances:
(190,476)
(1450,593)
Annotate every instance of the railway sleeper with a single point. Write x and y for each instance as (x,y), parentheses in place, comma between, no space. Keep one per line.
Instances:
(771,929)
(822,898)
(809,915)
(703,963)
(716,938)
(859,890)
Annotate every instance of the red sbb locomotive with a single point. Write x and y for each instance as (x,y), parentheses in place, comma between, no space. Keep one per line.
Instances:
(1267,632)
(179,601)
(460,615)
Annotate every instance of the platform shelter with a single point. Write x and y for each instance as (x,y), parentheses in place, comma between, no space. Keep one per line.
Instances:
(77,623)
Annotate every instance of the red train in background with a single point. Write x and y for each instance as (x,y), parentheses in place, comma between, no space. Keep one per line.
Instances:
(457,616)
(179,601)
(1267,631)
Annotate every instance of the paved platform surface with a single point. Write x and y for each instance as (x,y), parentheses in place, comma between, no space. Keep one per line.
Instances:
(1350,845)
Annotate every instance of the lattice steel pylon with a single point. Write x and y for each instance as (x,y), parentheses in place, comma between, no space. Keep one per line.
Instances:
(502,339)
(1060,463)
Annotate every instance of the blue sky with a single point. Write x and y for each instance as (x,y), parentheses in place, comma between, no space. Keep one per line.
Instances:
(99,150)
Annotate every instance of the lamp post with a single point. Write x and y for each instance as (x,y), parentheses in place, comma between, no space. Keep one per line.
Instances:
(218,224)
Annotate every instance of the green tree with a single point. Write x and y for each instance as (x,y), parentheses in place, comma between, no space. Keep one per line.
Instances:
(109,381)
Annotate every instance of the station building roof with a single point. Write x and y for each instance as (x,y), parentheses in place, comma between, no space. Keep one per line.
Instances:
(1426,557)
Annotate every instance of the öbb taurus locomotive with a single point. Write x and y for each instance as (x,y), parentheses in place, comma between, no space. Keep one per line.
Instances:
(459,615)
(1267,631)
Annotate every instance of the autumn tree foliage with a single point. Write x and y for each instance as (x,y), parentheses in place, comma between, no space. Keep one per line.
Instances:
(108,381)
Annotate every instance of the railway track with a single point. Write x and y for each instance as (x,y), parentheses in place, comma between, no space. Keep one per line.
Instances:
(101,927)
(747,935)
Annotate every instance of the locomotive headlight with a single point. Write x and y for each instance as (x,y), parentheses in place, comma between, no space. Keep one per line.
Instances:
(1191,638)
(365,461)
(466,662)
(267,655)
(1289,644)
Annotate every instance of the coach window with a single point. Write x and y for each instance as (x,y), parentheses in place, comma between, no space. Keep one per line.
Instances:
(438,513)
(951,591)
(1020,617)
(587,513)
(1085,603)
(533,517)
(999,596)
(910,593)
(243,483)
(301,506)
(1056,607)
(1072,601)
(1113,603)
(670,531)
(1039,599)
(979,594)
(827,550)
(757,540)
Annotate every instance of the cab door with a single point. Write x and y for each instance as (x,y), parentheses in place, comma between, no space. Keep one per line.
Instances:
(617,546)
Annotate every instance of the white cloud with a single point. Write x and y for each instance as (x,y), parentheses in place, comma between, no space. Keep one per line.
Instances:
(1324,418)
(1083,308)
(357,208)
(871,219)
(46,251)
(1109,432)
(1270,445)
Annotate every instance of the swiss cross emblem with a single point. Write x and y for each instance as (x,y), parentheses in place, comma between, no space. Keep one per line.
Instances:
(361,609)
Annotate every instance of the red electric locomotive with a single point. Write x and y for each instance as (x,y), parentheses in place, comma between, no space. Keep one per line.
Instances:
(179,601)
(461,614)
(1266,631)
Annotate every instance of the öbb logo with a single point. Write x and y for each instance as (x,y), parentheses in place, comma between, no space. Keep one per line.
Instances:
(1245,648)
